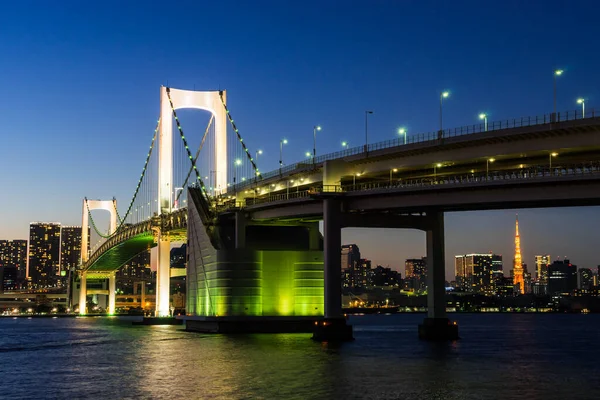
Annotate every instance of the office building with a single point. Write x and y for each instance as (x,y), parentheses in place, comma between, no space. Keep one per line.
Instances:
(586,278)
(70,248)
(541,268)
(562,277)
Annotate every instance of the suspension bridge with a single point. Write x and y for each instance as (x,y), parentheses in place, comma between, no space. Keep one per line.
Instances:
(255,250)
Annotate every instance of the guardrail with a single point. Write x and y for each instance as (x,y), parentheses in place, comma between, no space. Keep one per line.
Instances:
(422,138)
(494,177)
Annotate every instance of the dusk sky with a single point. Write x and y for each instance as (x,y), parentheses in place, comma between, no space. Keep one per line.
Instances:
(81,95)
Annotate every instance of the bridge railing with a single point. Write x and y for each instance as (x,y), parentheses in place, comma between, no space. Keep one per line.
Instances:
(307,165)
(493,177)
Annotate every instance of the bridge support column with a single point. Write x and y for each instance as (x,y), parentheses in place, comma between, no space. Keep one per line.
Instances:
(112,288)
(333,327)
(436,326)
(163,276)
(82,293)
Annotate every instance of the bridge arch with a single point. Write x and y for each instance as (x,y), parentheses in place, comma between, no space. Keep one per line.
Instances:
(89,205)
(211,101)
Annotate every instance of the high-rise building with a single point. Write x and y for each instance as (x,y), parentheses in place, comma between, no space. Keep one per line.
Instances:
(479,273)
(541,267)
(562,277)
(415,274)
(70,248)
(353,272)
(43,262)
(13,255)
(518,279)
(384,277)
(135,272)
(586,278)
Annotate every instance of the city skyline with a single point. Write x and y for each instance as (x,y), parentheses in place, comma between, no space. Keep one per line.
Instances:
(84,98)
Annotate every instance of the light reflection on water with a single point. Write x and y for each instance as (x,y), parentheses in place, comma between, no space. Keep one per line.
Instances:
(499,356)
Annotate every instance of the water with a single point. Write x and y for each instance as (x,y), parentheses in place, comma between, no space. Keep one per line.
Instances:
(500,356)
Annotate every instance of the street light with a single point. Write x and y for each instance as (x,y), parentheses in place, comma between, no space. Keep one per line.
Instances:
(557,72)
(582,102)
(553,154)
(391,171)
(281,143)
(435,166)
(487,167)
(402,131)
(443,95)
(258,152)
(307,154)
(315,129)
(483,116)
(345,145)
(354,178)
(367,129)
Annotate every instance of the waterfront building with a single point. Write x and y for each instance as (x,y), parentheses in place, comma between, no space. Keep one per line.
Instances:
(415,274)
(13,255)
(541,268)
(134,274)
(478,273)
(43,259)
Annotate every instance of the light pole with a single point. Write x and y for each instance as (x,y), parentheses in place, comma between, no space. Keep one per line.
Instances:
(435,166)
(367,128)
(553,154)
(307,154)
(558,72)
(487,167)
(354,179)
(392,171)
(258,152)
(345,145)
(402,132)
(281,143)
(483,116)
(315,129)
(443,95)
(582,102)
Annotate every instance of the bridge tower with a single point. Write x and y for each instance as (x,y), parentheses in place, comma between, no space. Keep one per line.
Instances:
(89,205)
(212,102)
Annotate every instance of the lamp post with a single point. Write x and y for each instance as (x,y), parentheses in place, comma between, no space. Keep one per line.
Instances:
(258,152)
(392,171)
(582,102)
(345,145)
(557,72)
(367,128)
(315,129)
(435,166)
(483,116)
(487,167)
(553,154)
(281,143)
(402,132)
(443,95)
(307,154)
(354,179)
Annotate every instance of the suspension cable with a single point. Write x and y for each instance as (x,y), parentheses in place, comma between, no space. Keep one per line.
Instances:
(187,149)
(212,117)
(257,173)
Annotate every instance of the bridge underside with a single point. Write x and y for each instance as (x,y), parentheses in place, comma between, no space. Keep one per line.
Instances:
(118,255)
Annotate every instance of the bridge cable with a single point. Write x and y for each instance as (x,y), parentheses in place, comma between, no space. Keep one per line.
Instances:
(239,137)
(212,118)
(186,145)
(122,220)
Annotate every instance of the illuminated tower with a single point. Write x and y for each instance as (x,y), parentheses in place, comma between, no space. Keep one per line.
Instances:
(518,266)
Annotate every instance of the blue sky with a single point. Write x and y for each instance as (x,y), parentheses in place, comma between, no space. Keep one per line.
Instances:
(81,94)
